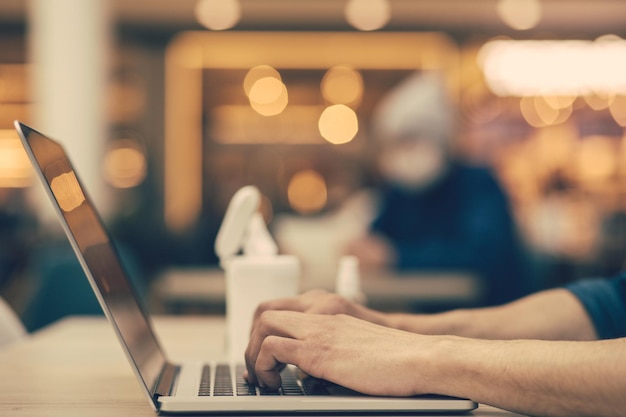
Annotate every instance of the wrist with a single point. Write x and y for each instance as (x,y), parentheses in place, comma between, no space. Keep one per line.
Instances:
(455,322)
(432,362)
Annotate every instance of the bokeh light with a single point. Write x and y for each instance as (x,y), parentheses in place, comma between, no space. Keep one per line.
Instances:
(256,73)
(268,96)
(618,110)
(368,15)
(529,112)
(554,67)
(338,124)
(307,192)
(342,85)
(559,102)
(266,90)
(520,14)
(597,158)
(15,168)
(545,111)
(218,14)
(599,101)
(125,164)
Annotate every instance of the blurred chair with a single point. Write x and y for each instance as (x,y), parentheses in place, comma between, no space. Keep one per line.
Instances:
(62,289)
(11,328)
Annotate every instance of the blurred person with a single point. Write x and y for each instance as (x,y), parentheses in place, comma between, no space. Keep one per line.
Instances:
(18,234)
(558,352)
(437,212)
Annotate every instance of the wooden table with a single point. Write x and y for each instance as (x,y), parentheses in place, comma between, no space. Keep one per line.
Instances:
(77,368)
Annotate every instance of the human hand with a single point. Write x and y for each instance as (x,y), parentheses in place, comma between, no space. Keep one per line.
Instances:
(322,302)
(354,353)
(373,251)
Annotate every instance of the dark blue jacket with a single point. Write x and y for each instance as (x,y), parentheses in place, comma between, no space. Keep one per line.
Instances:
(461,223)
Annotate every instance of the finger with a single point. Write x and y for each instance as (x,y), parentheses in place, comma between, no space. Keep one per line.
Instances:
(290,303)
(331,304)
(300,303)
(274,354)
(271,323)
(250,377)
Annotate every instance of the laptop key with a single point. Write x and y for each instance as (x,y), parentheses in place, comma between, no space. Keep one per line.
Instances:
(223,383)
(267,391)
(289,385)
(314,386)
(243,388)
(205,381)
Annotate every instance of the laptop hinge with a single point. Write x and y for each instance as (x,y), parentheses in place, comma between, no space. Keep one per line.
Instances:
(166,380)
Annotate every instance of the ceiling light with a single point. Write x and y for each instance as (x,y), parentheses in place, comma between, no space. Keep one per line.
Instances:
(338,124)
(307,192)
(218,14)
(342,85)
(554,68)
(256,73)
(368,15)
(520,14)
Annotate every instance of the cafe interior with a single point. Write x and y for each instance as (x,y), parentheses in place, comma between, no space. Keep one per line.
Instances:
(168,108)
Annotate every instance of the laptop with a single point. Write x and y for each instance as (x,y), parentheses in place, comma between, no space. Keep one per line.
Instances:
(212,387)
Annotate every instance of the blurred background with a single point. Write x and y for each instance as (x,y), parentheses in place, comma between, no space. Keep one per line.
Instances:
(167,108)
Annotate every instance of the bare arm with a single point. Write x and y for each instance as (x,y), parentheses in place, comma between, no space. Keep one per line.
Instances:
(547,378)
(551,378)
(550,315)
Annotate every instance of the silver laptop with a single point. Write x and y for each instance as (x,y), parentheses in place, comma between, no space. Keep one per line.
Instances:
(211,387)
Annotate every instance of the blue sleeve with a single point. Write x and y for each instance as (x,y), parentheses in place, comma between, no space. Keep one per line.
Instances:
(605,302)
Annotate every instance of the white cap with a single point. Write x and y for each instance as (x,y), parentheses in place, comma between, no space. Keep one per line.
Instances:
(243,227)
(417,107)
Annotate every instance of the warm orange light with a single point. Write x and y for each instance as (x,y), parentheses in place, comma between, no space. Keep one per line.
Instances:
(520,14)
(256,73)
(539,112)
(559,102)
(596,158)
(125,164)
(342,85)
(554,67)
(338,124)
(550,111)
(67,191)
(268,96)
(618,110)
(190,52)
(368,15)
(266,90)
(239,124)
(15,169)
(529,111)
(307,192)
(599,101)
(218,14)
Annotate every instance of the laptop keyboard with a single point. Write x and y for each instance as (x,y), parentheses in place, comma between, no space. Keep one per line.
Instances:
(223,386)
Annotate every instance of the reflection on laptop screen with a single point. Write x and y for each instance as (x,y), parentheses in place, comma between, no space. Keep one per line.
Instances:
(105,272)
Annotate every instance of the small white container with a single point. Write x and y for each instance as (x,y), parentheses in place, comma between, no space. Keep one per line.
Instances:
(259,274)
(251,280)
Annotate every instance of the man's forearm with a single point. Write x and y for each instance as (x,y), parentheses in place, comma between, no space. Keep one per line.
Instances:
(547,378)
(549,315)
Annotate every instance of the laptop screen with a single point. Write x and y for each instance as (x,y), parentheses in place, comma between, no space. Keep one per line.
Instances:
(97,254)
